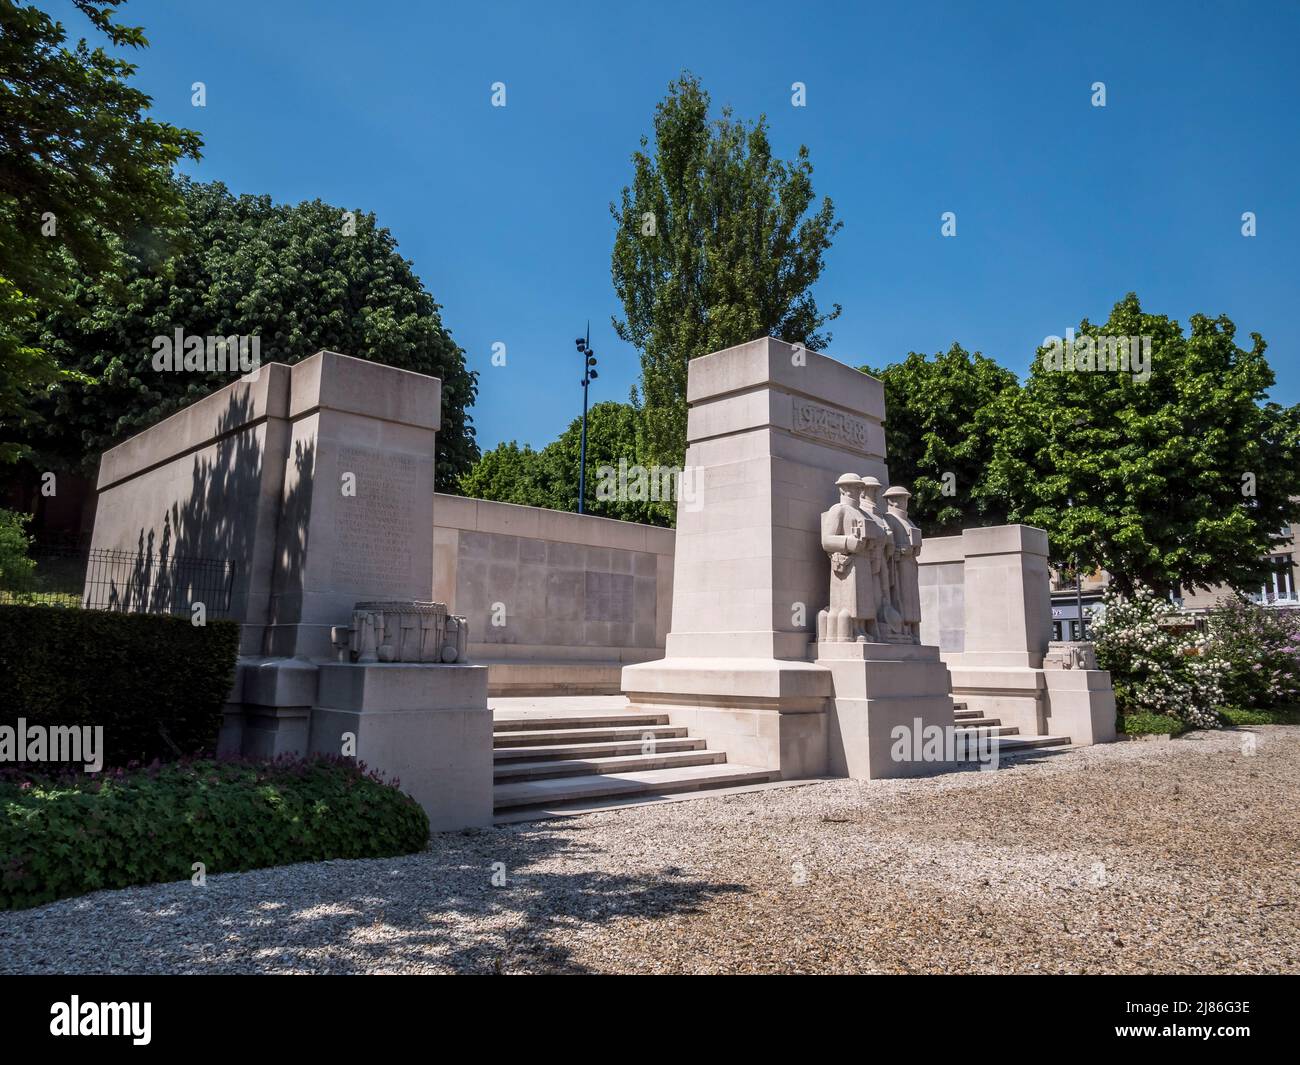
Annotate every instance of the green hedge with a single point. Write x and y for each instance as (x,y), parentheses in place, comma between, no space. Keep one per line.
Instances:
(62,836)
(156,683)
(1148,724)
(1278,715)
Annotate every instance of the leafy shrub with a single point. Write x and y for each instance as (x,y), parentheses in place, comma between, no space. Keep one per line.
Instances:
(1144,724)
(1260,649)
(1236,715)
(70,834)
(16,569)
(156,683)
(1155,666)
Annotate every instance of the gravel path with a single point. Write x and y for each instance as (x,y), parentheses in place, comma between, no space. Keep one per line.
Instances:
(1165,856)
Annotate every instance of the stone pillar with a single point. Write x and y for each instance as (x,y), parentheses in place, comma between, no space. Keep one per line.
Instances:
(356,510)
(1007,605)
(426,725)
(1008,620)
(1007,597)
(770,428)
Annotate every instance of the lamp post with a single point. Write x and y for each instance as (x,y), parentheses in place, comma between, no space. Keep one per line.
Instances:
(1078,581)
(588,374)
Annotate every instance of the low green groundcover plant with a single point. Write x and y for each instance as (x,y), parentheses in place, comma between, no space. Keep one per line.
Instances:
(1280,715)
(76,832)
(1148,724)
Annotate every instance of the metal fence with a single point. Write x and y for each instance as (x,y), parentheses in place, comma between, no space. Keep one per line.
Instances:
(128,581)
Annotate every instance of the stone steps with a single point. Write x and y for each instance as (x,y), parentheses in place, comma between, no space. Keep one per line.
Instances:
(629,763)
(541,762)
(964,729)
(548,792)
(596,734)
(554,752)
(553,724)
(1007,745)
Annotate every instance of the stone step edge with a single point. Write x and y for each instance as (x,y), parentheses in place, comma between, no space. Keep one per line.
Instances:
(531,724)
(598,786)
(577,767)
(524,814)
(555,752)
(541,737)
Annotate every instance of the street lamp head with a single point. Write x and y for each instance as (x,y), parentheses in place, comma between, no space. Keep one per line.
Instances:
(592,374)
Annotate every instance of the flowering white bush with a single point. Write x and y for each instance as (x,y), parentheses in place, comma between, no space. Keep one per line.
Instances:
(1154,665)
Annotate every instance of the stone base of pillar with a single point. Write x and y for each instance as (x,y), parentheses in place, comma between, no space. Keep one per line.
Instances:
(426,725)
(765,712)
(1080,704)
(891,715)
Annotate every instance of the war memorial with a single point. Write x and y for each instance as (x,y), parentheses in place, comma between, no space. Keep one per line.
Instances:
(795,626)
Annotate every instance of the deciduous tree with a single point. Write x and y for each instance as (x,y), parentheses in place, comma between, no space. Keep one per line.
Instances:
(715,247)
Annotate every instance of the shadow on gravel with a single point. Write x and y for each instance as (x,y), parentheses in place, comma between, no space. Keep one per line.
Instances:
(437,910)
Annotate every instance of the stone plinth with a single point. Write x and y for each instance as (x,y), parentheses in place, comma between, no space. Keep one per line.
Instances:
(315,480)
(1008,597)
(770,428)
(986,599)
(889,701)
(427,725)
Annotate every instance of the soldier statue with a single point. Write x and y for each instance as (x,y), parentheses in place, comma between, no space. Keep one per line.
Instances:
(907,546)
(853,543)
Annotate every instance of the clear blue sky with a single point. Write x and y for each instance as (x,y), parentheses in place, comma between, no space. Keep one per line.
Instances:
(913,109)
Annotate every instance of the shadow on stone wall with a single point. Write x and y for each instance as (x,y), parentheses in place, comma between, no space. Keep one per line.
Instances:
(178,559)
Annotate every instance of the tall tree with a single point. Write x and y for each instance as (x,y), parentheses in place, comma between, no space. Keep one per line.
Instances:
(299,277)
(82,167)
(1183,478)
(714,247)
(936,435)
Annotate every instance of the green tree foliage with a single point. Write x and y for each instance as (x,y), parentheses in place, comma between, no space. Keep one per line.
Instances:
(82,167)
(549,477)
(1153,480)
(936,410)
(16,567)
(713,249)
(508,474)
(293,275)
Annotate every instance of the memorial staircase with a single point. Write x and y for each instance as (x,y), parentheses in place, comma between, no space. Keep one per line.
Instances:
(569,764)
(972,726)
(588,762)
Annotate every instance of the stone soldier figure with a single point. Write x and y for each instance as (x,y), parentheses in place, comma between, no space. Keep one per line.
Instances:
(845,533)
(907,545)
(888,619)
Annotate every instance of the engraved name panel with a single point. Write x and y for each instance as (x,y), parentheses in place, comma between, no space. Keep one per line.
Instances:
(374,530)
(825,423)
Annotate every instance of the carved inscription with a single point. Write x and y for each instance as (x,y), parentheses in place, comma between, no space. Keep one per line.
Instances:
(824,423)
(375,529)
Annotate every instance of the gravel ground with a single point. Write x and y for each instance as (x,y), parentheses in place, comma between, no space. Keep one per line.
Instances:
(1163,856)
